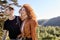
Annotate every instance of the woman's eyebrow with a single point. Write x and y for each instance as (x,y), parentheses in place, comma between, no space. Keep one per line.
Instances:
(20,9)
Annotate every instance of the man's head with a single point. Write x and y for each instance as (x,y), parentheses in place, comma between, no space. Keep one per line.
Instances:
(9,11)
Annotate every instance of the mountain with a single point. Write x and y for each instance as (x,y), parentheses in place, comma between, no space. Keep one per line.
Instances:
(41,21)
(52,22)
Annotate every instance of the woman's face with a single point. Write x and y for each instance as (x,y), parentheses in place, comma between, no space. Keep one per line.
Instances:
(23,13)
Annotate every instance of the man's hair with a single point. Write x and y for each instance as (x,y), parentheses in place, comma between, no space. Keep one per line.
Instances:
(10,8)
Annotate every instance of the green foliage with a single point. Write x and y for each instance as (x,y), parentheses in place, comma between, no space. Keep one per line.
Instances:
(1,33)
(3,2)
(44,33)
(48,33)
(14,0)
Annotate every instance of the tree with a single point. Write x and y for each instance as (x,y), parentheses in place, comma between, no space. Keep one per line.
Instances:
(14,0)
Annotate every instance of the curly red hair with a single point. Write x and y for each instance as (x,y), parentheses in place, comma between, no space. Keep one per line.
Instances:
(30,12)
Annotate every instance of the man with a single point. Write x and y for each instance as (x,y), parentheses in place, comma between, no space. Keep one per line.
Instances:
(12,24)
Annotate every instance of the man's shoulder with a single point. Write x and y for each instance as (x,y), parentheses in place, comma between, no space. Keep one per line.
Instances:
(18,17)
(6,21)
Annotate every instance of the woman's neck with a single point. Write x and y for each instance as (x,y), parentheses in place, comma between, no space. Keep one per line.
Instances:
(24,18)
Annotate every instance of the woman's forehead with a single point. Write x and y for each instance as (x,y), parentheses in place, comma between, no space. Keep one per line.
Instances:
(22,8)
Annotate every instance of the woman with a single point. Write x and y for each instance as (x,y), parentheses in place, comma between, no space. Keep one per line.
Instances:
(29,22)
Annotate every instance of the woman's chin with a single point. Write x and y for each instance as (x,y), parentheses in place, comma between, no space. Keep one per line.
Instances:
(22,19)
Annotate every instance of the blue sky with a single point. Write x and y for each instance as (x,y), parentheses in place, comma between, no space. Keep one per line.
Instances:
(44,9)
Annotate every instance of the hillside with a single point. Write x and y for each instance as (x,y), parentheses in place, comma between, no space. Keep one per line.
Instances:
(53,22)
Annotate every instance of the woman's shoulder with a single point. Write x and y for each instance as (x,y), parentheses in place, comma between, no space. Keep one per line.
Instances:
(32,21)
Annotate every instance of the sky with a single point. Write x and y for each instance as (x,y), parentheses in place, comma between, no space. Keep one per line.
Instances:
(44,9)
